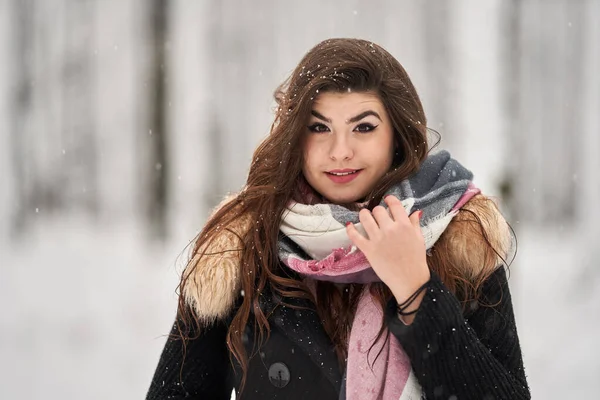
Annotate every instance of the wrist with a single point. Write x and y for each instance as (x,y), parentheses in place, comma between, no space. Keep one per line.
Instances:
(403,291)
(407,314)
(408,305)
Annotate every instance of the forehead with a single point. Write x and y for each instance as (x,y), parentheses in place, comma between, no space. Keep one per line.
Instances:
(347,103)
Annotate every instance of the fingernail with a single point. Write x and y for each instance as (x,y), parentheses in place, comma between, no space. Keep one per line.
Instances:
(420,213)
(348,223)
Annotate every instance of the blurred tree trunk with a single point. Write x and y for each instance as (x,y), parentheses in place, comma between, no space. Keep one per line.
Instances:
(54,152)
(219,87)
(588,197)
(231,52)
(156,168)
(510,75)
(22,109)
(79,172)
(546,102)
(440,67)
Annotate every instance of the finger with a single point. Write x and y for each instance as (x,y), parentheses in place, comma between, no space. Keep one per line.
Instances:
(356,237)
(415,219)
(369,223)
(396,208)
(382,217)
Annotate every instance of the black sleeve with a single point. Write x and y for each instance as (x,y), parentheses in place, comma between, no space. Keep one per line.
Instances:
(473,357)
(199,370)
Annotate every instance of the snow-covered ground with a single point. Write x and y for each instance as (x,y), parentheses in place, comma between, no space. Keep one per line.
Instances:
(555,283)
(84,312)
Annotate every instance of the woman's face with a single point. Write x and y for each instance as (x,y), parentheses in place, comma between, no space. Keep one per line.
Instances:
(349,145)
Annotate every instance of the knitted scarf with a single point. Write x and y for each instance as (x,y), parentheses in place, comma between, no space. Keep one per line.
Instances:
(314,243)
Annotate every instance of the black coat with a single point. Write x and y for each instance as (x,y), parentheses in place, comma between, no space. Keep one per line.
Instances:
(472,355)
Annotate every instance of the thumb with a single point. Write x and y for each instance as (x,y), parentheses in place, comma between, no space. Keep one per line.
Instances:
(415,219)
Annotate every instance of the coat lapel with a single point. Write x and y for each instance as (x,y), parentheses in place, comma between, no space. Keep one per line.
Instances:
(304,329)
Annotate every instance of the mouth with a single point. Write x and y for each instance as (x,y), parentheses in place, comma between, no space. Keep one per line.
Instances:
(343,175)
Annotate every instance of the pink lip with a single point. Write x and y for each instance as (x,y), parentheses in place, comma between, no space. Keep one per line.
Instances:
(344,178)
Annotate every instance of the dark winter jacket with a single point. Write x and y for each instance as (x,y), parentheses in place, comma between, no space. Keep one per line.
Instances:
(455,354)
(476,356)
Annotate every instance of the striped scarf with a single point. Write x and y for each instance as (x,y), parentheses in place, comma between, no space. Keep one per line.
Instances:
(314,243)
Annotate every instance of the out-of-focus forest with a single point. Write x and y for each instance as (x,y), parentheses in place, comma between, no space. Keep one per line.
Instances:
(122,123)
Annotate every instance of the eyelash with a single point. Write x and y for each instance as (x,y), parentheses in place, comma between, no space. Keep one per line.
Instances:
(362,128)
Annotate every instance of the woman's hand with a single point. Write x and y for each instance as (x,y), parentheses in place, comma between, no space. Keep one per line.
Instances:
(395,248)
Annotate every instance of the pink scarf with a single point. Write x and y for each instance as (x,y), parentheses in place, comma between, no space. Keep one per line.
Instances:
(316,245)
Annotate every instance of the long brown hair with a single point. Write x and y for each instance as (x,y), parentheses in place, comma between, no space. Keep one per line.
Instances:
(275,175)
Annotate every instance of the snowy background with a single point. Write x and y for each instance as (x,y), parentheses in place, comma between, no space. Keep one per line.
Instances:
(123,122)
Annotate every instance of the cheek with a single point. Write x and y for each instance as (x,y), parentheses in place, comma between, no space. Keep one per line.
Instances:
(305,155)
(307,163)
(391,145)
(392,153)
(311,156)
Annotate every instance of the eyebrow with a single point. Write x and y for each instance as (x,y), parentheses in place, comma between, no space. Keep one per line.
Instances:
(351,120)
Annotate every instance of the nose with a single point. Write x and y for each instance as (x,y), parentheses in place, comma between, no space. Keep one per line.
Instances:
(341,148)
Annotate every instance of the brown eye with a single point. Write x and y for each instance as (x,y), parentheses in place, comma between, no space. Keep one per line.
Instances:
(365,128)
(318,128)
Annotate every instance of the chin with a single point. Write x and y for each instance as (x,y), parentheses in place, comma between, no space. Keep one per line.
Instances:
(344,199)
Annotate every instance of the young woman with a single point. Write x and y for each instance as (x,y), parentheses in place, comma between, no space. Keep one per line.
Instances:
(353,264)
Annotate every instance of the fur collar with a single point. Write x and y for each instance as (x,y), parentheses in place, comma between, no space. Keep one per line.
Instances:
(214,285)
(214,280)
